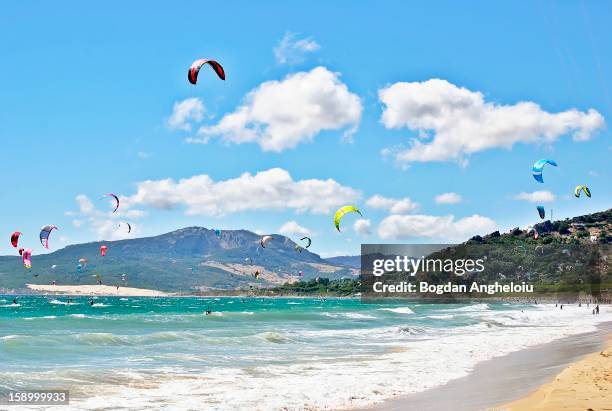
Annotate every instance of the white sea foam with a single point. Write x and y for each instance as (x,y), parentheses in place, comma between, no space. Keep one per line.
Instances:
(303,367)
(58,302)
(398,310)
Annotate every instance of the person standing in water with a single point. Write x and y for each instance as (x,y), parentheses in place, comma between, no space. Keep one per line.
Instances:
(14,300)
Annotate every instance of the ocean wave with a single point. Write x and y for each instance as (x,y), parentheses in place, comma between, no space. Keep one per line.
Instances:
(9,337)
(273,337)
(472,307)
(398,310)
(350,315)
(58,302)
(44,317)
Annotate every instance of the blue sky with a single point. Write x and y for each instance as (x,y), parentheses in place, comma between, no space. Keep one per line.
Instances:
(324,101)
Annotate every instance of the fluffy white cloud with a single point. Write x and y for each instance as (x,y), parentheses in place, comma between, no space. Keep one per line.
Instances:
(186,112)
(293,228)
(536,197)
(291,50)
(105,224)
(363,227)
(393,205)
(400,227)
(85,204)
(269,189)
(279,115)
(448,198)
(461,122)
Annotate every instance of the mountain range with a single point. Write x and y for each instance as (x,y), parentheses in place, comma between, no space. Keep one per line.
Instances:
(185,260)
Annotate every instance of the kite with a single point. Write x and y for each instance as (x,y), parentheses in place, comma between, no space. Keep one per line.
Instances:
(308,240)
(116,200)
(217,232)
(298,248)
(538,166)
(265,240)
(578,189)
(45,232)
(342,211)
(26,257)
(541,212)
(128,225)
(15,238)
(103,249)
(194,70)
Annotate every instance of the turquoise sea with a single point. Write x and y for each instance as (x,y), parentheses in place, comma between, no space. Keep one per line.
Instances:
(254,353)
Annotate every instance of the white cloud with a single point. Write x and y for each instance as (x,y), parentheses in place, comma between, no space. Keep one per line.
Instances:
(362,227)
(291,50)
(448,198)
(536,196)
(85,204)
(269,189)
(394,206)
(186,112)
(105,224)
(400,227)
(293,228)
(279,115)
(461,122)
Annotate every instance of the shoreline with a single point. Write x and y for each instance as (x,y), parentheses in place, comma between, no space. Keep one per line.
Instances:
(503,380)
(583,385)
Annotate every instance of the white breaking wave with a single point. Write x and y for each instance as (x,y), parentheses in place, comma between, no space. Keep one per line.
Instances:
(398,310)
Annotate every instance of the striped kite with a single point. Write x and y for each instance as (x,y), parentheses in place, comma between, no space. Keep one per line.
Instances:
(538,166)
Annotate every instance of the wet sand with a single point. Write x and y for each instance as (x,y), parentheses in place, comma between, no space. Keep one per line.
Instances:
(505,379)
(583,385)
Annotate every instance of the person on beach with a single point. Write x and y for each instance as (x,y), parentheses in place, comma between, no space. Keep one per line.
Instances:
(561,306)
(597,309)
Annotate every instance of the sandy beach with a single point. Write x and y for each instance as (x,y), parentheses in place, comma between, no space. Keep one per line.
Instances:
(504,382)
(96,290)
(583,385)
